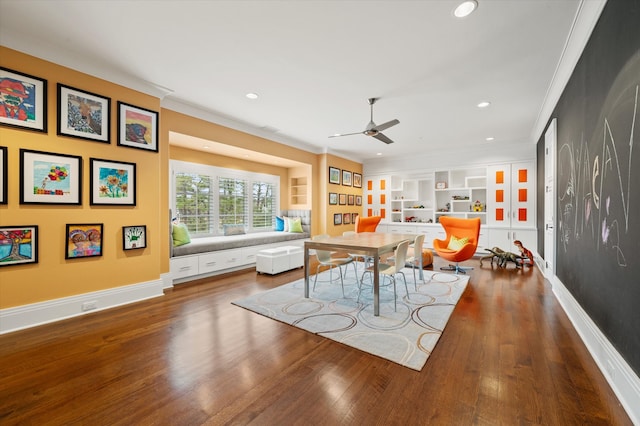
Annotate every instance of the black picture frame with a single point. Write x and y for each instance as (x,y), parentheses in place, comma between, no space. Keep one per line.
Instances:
(137,127)
(32,110)
(134,237)
(357,180)
(358,200)
(83,240)
(343,199)
(4,175)
(346,178)
(112,183)
(26,239)
(337,218)
(50,178)
(346,218)
(351,199)
(83,115)
(333,198)
(334,175)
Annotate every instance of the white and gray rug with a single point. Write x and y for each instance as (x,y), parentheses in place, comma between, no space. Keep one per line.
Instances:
(406,336)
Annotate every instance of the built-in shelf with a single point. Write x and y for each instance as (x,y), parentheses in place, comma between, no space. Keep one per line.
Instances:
(298,190)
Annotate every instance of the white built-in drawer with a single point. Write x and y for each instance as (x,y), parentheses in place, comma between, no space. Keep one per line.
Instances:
(248,254)
(183,266)
(217,261)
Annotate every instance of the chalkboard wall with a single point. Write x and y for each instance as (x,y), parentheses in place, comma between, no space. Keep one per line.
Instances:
(598,179)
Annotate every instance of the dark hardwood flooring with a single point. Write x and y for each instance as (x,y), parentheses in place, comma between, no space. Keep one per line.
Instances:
(508,356)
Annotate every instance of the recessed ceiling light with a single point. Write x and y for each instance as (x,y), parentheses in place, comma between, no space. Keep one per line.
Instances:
(465,8)
(379,153)
(484,104)
(252,95)
(206,147)
(489,139)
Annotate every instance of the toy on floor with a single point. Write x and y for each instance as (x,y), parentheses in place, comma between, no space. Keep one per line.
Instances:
(526,257)
(502,257)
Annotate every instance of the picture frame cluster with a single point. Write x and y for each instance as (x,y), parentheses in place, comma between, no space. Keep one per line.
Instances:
(345,177)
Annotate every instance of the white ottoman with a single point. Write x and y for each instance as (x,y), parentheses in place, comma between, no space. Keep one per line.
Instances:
(279,259)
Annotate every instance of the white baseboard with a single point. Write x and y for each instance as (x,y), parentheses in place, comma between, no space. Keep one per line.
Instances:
(622,379)
(21,317)
(167,280)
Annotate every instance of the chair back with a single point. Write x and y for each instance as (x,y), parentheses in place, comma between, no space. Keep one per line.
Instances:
(322,255)
(367,224)
(461,228)
(401,255)
(417,245)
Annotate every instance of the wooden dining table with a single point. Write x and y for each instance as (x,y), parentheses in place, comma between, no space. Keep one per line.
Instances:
(373,244)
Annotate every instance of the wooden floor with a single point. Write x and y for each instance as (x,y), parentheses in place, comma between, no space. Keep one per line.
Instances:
(507,356)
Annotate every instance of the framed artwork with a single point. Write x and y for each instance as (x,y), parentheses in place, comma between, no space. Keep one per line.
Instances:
(23,100)
(351,199)
(357,180)
(112,182)
(18,245)
(346,218)
(83,240)
(333,198)
(3,175)
(337,218)
(83,115)
(334,175)
(50,178)
(346,178)
(134,237)
(358,200)
(353,217)
(343,199)
(137,127)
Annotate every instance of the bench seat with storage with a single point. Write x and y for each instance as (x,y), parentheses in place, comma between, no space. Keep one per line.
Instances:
(209,256)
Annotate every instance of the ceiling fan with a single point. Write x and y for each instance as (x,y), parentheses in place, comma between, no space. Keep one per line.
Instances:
(372,128)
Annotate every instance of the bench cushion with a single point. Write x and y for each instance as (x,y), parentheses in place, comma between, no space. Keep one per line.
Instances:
(204,245)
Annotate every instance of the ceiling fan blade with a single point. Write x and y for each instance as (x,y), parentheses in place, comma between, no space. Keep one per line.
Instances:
(383,138)
(386,125)
(345,134)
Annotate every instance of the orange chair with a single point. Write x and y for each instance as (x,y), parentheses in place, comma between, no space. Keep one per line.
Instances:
(367,224)
(458,251)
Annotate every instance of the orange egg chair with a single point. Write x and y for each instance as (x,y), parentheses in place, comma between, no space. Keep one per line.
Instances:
(367,223)
(461,241)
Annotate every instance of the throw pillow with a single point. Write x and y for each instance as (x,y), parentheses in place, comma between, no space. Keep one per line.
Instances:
(295,225)
(286,223)
(180,234)
(456,243)
(279,223)
(233,230)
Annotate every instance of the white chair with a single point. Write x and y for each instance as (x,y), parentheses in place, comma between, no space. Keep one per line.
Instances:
(392,270)
(326,259)
(416,259)
(355,256)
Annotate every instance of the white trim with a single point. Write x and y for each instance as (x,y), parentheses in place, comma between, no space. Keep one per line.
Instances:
(622,379)
(26,316)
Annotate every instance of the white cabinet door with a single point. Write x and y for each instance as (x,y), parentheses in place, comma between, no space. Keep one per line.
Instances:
(511,195)
(504,238)
(377,200)
(219,260)
(183,266)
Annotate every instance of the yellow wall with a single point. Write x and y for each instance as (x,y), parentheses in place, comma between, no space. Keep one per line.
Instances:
(327,161)
(53,276)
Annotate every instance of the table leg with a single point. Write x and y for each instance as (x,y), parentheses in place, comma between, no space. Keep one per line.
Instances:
(376,285)
(306,272)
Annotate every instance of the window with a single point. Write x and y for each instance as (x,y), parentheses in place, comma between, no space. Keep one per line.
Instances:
(194,202)
(206,198)
(264,205)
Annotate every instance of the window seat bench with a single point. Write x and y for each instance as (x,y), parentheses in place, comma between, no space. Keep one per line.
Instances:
(209,256)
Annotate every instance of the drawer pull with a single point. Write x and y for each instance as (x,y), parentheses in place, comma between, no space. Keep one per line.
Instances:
(185,268)
(210,263)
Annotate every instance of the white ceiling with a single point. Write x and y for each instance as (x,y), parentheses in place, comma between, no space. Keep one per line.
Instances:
(314,64)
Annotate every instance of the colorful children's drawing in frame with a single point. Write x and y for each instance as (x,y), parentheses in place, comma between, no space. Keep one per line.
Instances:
(23,100)
(50,178)
(18,245)
(83,240)
(112,182)
(137,127)
(83,115)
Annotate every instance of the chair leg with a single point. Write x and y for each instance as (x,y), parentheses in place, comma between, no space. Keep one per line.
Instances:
(404,278)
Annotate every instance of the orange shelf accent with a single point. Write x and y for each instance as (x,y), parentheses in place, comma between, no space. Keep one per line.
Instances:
(369,212)
(499,214)
(369,185)
(522,215)
(383,184)
(500,176)
(522,175)
(522,195)
(499,195)
(383,213)
(383,198)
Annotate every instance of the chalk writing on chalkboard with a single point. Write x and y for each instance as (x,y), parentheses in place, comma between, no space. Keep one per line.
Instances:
(594,188)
